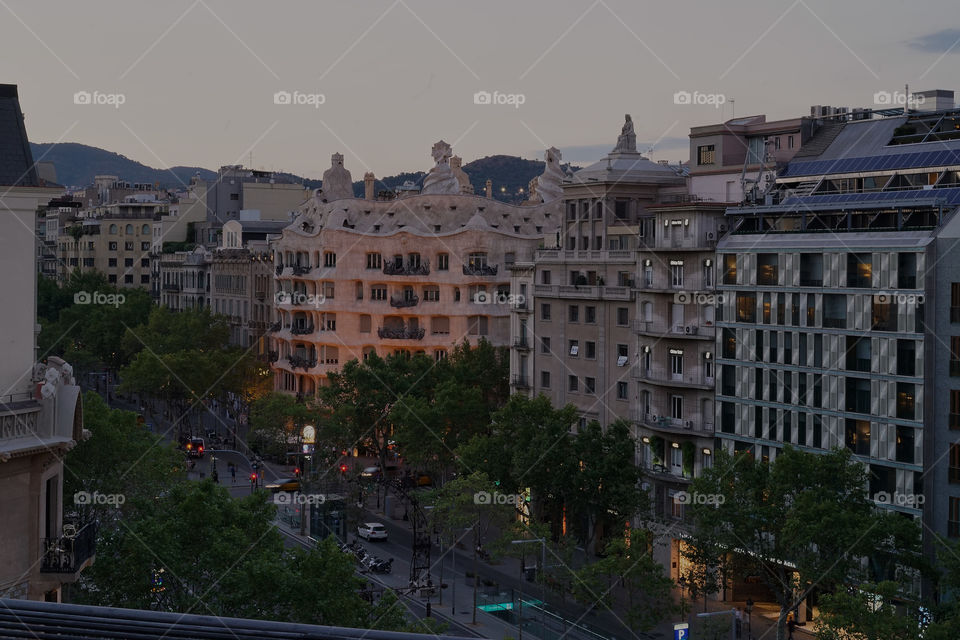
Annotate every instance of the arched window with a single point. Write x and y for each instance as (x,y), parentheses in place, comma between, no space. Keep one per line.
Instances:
(145,230)
(129,230)
(113,229)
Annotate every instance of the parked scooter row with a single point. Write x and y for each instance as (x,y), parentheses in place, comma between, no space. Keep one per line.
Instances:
(367,561)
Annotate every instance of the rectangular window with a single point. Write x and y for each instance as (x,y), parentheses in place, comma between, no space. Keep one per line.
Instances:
(729,268)
(858,436)
(811,269)
(623,316)
(329,259)
(621,391)
(545,345)
(767,271)
(858,395)
(590,384)
(573,313)
(906,404)
(706,154)
(431,294)
(573,348)
(545,311)
(884,314)
(545,277)
(676,274)
(378,293)
(906,441)
(860,270)
(834,311)
(439,325)
(591,314)
(954,468)
(954,409)
(591,350)
(953,517)
(907,270)
(443,262)
(906,357)
(477,325)
(374,261)
(573,384)
(545,379)
(746,307)
(955,302)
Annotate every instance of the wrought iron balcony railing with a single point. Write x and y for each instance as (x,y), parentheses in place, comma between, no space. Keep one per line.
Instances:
(302,330)
(408,301)
(401,333)
(301,362)
(67,553)
(394,269)
(299,270)
(480,270)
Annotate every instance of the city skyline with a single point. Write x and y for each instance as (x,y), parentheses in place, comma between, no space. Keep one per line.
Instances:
(202,83)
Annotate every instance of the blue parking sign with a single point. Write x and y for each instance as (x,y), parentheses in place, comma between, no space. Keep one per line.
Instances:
(681,631)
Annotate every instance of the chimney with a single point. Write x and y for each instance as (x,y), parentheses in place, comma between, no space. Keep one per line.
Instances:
(368,181)
(489,188)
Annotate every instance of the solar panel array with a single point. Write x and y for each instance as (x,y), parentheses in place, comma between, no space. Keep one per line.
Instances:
(949,196)
(939,158)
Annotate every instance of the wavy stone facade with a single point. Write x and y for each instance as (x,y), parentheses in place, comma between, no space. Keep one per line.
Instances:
(417,274)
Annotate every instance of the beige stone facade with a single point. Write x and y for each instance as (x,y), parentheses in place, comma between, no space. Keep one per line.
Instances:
(116,240)
(418,275)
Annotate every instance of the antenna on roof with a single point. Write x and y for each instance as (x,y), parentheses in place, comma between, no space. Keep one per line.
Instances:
(906,99)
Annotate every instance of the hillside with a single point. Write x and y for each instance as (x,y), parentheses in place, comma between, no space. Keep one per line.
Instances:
(77,164)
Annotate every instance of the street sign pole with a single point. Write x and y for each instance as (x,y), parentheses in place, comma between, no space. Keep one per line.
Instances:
(681,631)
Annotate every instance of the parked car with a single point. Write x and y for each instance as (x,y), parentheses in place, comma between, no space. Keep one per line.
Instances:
(283,484)
(372,531)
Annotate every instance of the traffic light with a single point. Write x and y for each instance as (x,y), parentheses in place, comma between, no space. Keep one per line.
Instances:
(253,478)
(296,472)
(343,469)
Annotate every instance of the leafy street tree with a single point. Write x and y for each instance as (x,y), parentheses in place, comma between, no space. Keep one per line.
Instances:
(277,421)
(186,360)
(605,495)
(806,511)
(865,612)
(630,565)
(197,550)
(469,503)
(120,457)
(84,330)
(361,398)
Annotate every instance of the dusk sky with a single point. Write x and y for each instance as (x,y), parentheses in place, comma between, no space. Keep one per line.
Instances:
(197,79)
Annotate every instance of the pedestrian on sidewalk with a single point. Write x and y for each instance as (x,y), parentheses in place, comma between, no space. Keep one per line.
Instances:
(791,625)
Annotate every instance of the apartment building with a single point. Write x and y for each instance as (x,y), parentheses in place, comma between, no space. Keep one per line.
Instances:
(114,239)
(237,189)
(621,322)
(242,280)
(839,324)
(185,279)
(416,274)
(40,411)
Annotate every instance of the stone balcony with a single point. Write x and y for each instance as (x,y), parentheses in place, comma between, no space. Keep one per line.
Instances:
(689,428)
(660,377)
(584,292)
(694,329)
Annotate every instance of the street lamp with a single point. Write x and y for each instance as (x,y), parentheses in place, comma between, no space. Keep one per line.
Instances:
(748,608)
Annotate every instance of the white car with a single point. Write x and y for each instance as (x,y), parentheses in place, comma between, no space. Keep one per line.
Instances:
(372,531)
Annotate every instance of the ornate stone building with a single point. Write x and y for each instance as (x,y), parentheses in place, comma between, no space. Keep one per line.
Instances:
(416,274)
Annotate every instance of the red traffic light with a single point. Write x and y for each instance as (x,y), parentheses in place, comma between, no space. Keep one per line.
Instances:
(296,471)
(253,477)
(343,468)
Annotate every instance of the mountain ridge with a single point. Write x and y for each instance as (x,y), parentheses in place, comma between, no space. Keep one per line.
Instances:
(77,164)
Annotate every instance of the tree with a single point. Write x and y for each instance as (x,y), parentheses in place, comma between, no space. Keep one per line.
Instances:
(629,564)
(470,503)
(801,523)
(605,494)
(866,612)
(195,549)
(119,458)
(529,447)
(276,423)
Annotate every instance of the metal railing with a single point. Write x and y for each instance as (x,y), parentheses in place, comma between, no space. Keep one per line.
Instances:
(480,270)
(67,554)
(394,269)
(401,333)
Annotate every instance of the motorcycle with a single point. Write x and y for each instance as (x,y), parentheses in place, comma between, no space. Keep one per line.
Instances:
(382,566)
